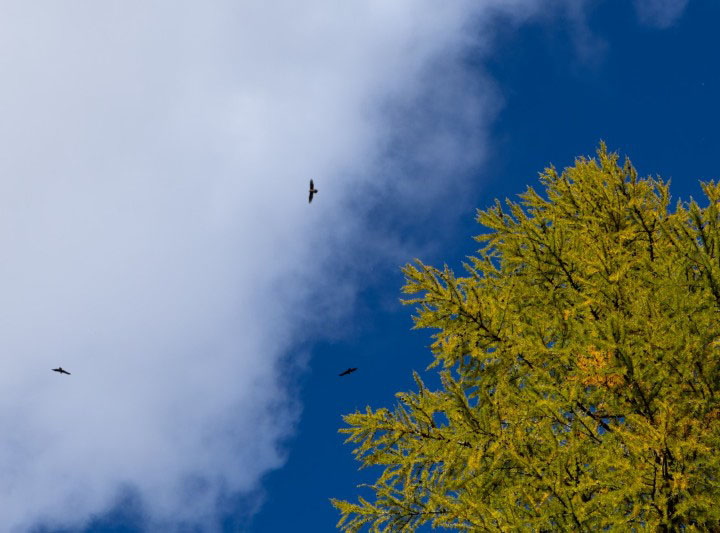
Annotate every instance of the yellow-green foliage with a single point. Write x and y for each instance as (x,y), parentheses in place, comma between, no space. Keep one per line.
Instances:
(580,368)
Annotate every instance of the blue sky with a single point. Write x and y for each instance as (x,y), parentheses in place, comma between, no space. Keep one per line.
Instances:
(649,93)
(159,245)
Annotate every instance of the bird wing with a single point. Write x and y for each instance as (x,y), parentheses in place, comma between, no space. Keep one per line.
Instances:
(312,185)
(310,197)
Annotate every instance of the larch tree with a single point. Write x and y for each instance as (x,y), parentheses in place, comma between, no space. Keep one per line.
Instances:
(580,367)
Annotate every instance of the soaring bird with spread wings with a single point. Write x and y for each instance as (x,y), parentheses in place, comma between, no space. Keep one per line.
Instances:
(60,370)
(348,371)
(313,191)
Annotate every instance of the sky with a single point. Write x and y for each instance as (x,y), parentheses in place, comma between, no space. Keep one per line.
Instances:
(158,243)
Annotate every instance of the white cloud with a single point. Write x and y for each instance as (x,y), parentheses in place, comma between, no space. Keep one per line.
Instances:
(660,13)
(154,160)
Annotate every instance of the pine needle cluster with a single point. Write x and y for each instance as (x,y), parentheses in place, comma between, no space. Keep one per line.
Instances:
(580,367)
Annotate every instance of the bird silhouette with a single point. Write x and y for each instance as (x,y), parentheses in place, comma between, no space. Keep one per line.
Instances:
(348,371)
(313,190)
(61,370)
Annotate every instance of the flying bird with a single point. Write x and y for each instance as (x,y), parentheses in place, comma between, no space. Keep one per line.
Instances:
(61,370)
(348,371)
(313,190)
